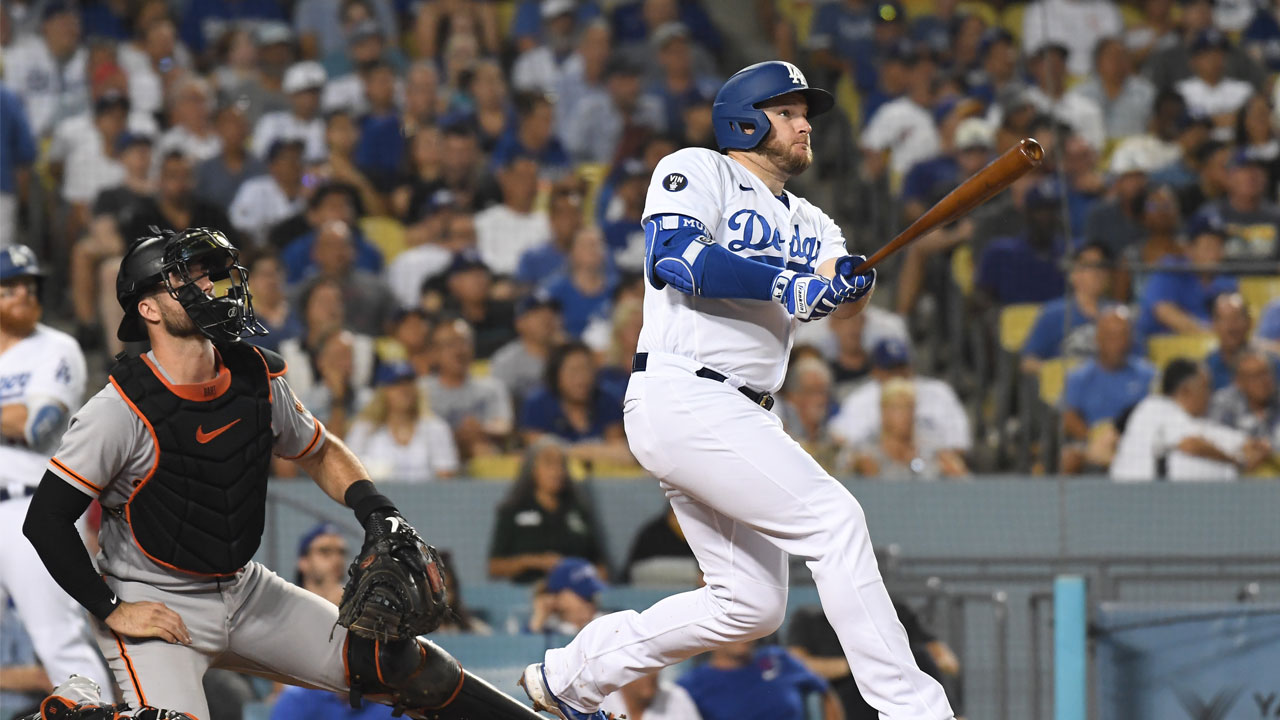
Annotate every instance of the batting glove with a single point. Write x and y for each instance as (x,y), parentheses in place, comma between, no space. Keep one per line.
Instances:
(804,295)
(849,287)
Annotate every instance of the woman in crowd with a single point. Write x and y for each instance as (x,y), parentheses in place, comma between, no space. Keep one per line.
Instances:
(542,519)
(576,409)
(897,453)
(398,435)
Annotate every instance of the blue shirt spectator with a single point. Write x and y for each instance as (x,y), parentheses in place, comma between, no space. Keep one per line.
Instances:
(298,263)
(526,25)
(1099,393)
(206,20)
(1269,323)
(1012,271)
(579,306)
(539,263)
(1190,292)
(543,412)
(847,31)
(380,152)
(297,703)
(572,384)
(1056,321)
(771,683)
(629,24)
(1221,374)
(552,158)
(1262,36)
(928,181)
(1065,326)
(17,147)
(103,21)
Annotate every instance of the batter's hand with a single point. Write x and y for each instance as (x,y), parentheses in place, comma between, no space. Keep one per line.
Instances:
(148,619)
(849,287)
(804,295)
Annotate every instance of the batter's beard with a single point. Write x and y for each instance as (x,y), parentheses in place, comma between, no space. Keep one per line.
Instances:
(21,323)
(784,158)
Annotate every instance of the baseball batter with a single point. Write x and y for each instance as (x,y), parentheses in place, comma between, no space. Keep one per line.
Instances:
(734,262)
(42,376)
(177,449)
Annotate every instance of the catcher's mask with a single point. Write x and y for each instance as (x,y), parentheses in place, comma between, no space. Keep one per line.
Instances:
(221,308)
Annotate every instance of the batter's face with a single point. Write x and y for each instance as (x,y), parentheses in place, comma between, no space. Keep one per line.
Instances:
(19,306)
(788,146)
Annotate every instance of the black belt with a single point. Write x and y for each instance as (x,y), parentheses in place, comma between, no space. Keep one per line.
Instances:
(27,491)
(640,362)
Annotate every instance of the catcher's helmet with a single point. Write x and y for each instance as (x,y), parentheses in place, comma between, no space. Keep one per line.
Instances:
(165,261)
(737,102)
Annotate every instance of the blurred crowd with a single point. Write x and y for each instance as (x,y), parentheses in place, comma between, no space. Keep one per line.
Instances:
(439,205)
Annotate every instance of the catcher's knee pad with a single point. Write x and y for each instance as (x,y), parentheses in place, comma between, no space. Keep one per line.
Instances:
(420,679)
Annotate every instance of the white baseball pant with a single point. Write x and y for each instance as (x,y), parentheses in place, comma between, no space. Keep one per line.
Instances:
(746,496)
(57,626)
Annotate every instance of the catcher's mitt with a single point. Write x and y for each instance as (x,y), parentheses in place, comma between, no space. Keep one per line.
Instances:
(396,587)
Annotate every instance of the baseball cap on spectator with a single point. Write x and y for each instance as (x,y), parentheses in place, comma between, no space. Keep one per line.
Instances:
(281,144)
(578,575)
(467,260)
(891,352)
(1013,99)
(1046,45)
(536,301)
(903,51)
(1132,157)
(130,139)
(392,373)
(556,8)
(667,32)
(302,76)
(1210,39)
(1045,193)
(304,545)
(891,11)
(272,33)
(975,134)
(110,100)
(632,168)
(55,8)
(1206,223)
(441,199)
(991,38)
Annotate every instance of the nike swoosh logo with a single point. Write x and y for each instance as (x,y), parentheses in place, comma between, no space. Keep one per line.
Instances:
(744,188)
(395,524)
(203,437)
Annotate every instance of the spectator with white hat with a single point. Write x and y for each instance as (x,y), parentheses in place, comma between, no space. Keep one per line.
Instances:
(48,70)
(302,83)
(1116,222)
(539,68)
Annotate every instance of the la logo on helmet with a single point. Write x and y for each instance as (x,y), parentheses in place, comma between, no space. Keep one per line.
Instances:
(797,77)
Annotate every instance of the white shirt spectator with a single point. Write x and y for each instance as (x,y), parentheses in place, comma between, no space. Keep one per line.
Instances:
(538,70)
(939,414)
(197,148)
(672,702)
(146,87)
(503,235)
(411,268)
(78,130)
(571,88)
(1077,110)
(906,130)
(1205,100)
(89,172)
(284,125)
(48,90)
(1155,428)
(593,133)
(429,453)
(345,92)
(260,203)
(302,378)
(1076,24)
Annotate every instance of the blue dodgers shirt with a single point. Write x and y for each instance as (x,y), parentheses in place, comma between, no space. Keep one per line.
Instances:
(1221,376)
(297,703)
(1100,394)
(1012,271)
(773,685)
(1183,289)
(543,412)
(1056,326)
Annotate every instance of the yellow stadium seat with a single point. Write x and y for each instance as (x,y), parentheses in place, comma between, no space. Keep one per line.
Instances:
(1053,378)
(962,269)
(1015,325)
(1258,291)
(1163,348)
(389,350)
(593,174)
(494,467)
(1011,20)
(848,100)
(618,472)
(800,14)
(480,368)
(386,233)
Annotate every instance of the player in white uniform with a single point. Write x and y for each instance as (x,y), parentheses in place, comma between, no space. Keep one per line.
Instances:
(734,262)
(42,377)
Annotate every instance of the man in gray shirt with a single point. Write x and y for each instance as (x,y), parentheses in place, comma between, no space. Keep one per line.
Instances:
(520,364)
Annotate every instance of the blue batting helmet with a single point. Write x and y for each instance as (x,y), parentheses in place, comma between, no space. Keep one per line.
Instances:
(737,103)
(19,261)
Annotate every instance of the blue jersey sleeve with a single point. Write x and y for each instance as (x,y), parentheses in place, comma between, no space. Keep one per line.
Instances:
(1045,339)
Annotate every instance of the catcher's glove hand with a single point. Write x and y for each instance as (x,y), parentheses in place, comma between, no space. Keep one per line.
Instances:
(396,587)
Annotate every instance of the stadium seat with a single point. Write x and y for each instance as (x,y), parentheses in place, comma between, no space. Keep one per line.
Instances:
(1015,325)
(593,174)
(1163,348)
(1011,20)
(800,14)
(1258,290)
(386,233)
(962,268)
(494,467)
(1053,377)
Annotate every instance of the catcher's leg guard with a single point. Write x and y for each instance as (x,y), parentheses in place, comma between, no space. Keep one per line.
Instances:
(419,678)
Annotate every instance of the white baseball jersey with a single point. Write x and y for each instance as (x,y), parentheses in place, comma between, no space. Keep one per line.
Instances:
(49,89)
(747,338)
(46,366)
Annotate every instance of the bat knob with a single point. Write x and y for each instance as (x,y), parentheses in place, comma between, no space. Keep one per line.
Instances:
(844,266)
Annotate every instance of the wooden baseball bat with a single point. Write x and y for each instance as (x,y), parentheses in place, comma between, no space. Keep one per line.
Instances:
(977,189)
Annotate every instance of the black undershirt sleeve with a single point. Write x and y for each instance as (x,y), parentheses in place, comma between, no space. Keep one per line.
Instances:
(51,528)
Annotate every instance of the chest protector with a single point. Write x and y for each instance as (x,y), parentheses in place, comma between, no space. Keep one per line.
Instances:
(202,506)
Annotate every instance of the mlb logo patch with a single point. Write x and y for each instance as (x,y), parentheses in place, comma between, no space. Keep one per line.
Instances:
(675,182)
